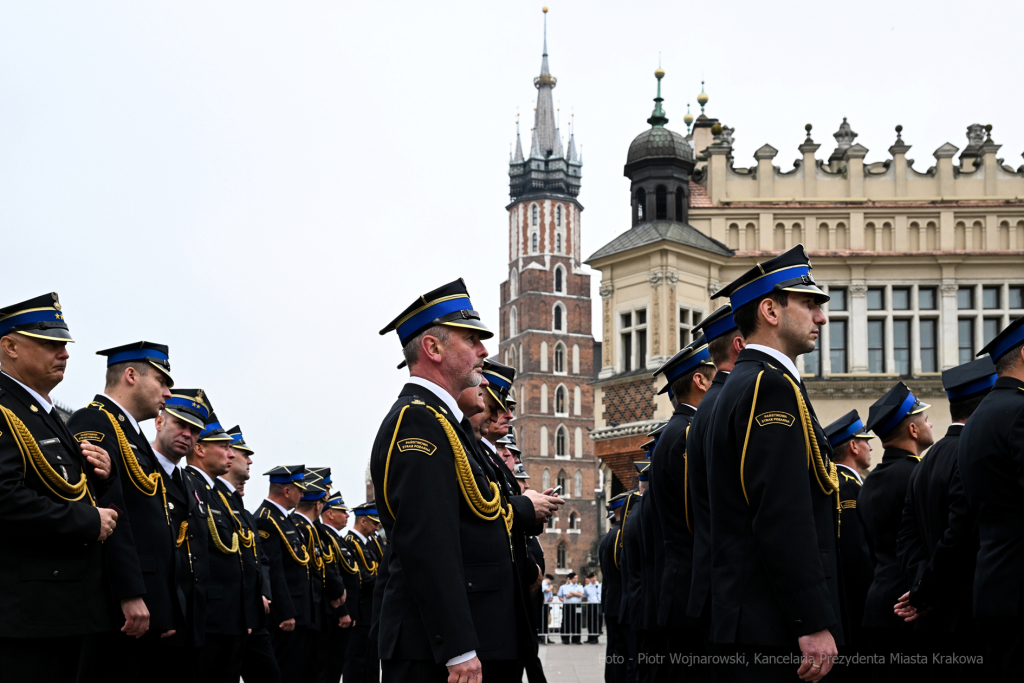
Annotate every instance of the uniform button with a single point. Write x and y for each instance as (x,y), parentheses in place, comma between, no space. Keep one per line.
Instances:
(470,584)
(56,573)
(439,639)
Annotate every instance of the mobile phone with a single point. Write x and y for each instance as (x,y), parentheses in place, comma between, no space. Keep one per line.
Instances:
(556,491)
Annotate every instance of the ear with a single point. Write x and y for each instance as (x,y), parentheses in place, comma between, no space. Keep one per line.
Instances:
(738,343)
(9,346)
(769,311)
(432,348)
(131,376)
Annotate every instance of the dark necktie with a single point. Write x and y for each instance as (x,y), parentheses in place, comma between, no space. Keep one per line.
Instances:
(176,478)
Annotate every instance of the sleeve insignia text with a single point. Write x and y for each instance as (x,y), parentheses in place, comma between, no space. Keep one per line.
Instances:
(775,417)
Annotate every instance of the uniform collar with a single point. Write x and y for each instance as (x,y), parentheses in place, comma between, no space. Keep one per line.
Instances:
(339,532)
(131,418)
(489,445)
(47,406)
(777,355)
(278,506)
(166,464)
(899,454)
(441,393)
(361,537)
(209,481)
(227,483)
(304,516)
(852,471)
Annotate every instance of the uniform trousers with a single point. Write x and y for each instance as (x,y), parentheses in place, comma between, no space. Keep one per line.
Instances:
(361,662)
(616,654)
(134,659)
(421,671)
(684,648)
(631,646)
(259,665)
(334,644)
(222,658)
(1004,648)
(292,649)
(39,660)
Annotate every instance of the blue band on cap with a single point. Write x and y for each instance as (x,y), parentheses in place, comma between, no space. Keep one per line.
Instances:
(764,285)
(361,512)
(188,403)
(136,354)
(327,479)
(287,478)
(614,505)
(424,317)
(212,427)
(670,394)
(1003,345)
(847,434)
(720,328)
(687,364)
(643,476)
(316,495)
(972,388)
(48,315)
(235,438)
(900,413)
(497,380)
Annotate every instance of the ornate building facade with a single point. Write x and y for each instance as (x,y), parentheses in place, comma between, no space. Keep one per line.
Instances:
(546,333)
(923,266)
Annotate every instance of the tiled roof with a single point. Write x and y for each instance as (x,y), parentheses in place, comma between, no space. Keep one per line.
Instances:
(699,196)
(650,233)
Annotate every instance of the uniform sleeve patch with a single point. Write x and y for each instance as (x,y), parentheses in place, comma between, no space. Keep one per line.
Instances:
(94,437)
(264,534)
(421,445)
(775,417)
(848,504)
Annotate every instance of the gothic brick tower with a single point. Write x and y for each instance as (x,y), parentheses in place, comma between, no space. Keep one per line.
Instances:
(546,334)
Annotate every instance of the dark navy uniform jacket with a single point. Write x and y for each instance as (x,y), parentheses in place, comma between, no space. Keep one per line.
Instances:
(938,542)
(697,455)
(773,523)
(53,582)
(189,514)
(451,586)
(880,508)
(855,556)
(630,563)
(611,589)
(289,566)
(347,569)
(668,496)
(991,459)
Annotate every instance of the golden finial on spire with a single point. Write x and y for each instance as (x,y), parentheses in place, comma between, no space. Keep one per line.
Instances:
(545,10)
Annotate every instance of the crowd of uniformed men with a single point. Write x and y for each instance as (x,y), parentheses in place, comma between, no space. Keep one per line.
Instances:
(754,548)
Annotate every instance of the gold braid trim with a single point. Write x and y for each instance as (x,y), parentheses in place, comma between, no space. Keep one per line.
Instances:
(326,551)
(488,510)
(620,537)
(215,535)
(147,484)
(746,439)
(387,465)
(28,446)
(318,562)
(686,486)
(823,475)
(291,551)
(247,537)
(182,532)
(342,560)
(371,567)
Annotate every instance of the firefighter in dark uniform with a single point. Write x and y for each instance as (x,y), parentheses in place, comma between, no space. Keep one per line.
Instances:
(938,542)
(616,652)
(138,383)
(851,444)
(688,375)
(234,600)
(326,585)
(335,519)
(54,588)
(650,639)
(991,458)
(259,665)
(178,428)
(900,421)
(291,611)
(772,487)
(449,606)
(629,565)
(361,661)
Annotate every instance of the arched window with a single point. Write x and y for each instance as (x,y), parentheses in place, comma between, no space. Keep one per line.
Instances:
(561,447)
(560,481)
(534,241)
(575,359)
(680,199)
(558,216)
(513,284)
(522,358)
(823,236)
(558,243)
(577,400)
(574,521)
(543,398)
(562,560)
(560,403)
(660,203)
(536,214)
(543,440)
(512,358)
(558,279)
(558,318)
(559,357)
(578,442)
(545,480)
(577,484)
(513,322)
(641,205)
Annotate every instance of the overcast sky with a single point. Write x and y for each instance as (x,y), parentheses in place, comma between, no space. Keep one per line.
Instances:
(263,186)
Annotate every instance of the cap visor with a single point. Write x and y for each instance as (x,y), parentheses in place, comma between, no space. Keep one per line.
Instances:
(170,380)
(820,297)
(222,436)
(244,449)
(919,408)
(52,334)
(471,324)
(501,404)
(185,417)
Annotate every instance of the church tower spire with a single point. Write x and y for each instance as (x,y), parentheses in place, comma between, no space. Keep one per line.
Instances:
(544,126)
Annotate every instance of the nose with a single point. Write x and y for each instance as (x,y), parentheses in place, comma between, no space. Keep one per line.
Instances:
(165,394)
(819,316)
(482,350)
(63,354)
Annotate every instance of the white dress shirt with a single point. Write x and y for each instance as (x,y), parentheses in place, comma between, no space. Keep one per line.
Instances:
(278,506)
(441,393)
(166,464)
(779,356)
(123,410)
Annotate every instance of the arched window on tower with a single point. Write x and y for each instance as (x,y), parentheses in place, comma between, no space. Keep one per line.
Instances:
(545,479)
(534,241)
(535,217)
(660,203)
(561,406)
(574,521)
(558,243)
(513,322)
(577,484)
(559,357)
(641,205)
(513,284)
(561,448)
(558,277)
(561,480)
(680,199)
(562,560)
(558,318)
(558,216)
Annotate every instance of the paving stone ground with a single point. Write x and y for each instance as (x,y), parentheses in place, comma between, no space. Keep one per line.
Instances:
(573,663)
